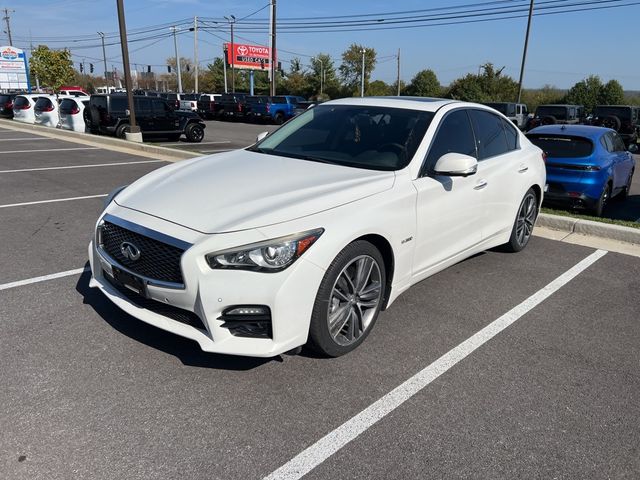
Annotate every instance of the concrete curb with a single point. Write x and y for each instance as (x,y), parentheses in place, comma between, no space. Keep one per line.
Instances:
(589,227)
(110,143)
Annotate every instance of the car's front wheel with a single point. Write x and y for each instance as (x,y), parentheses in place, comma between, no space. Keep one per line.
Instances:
(524,223)
(348,301)
(194,132)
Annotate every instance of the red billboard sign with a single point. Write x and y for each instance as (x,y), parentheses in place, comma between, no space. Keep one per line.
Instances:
(249,57)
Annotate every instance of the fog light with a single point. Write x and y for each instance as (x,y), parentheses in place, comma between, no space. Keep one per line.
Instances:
(247,311)
(251,321)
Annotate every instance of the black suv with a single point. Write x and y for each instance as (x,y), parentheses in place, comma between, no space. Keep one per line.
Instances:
(624,119)
(557,114)
(6,104)
(109,114)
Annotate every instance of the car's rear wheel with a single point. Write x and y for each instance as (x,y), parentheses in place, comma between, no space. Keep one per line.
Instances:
(194,132)
(524,223)
(598,209)
(122,130)
(348,301)
(278,119)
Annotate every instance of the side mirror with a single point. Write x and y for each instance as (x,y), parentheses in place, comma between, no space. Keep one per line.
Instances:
(261,136)
(633,148)
(456,165)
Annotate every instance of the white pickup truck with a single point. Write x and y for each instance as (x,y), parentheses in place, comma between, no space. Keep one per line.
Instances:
(189,102)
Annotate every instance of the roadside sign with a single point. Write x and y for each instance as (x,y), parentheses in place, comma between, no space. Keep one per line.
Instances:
(14,73)
(249,57)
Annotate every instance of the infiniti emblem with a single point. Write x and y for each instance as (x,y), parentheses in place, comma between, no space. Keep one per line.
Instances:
(130,251)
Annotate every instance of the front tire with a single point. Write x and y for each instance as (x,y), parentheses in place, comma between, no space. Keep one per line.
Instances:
(524,223)
(348,301)
(122,130)
(194,132)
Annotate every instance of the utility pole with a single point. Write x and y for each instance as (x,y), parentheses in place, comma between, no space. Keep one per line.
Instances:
(362,79)
(104,58)
(225,57)
(524,53)
(195,51)
(232,19)
(134,133)
(272,63)
(6,18)
(398,78)
(175,45)
(321,77)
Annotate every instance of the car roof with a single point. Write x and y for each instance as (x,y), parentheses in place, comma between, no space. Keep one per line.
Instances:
(586,131)
(414,103)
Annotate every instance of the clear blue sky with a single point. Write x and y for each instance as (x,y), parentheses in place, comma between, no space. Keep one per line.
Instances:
(563,49)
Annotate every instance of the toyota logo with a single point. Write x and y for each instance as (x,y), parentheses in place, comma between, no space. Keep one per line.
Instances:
(242,50)
(130,251)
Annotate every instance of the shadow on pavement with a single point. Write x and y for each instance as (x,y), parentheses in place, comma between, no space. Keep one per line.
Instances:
(187,351)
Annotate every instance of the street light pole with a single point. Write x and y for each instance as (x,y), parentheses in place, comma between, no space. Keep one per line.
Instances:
(232,19)
(134,133)
(195,51)
(104,58)
(362,79)
(273,48)
(175,46)
(524,53)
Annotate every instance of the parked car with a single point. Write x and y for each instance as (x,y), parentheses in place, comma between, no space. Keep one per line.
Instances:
(73,91)
(557,114)
(172,98)
(155,116)
(586,166)
(283,107)
(231,105)
(624,119)
(257,108)
(518,113)
(307,235)
(23,108)
(72,113)
(146,93)
(46,111)
(189,102)
(301,106)
(6,104)
(207,104)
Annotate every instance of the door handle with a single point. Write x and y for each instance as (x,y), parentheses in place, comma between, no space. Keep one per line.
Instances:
(480,185)
(523,168)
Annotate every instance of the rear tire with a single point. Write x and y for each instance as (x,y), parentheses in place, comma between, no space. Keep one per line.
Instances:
(624,194)
(194,132)
(122,130)
(348,301)
(598,210)
(524,223)
(278,119)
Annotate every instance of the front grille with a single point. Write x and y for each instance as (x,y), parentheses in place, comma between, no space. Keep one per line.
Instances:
(169,311)
(158,260)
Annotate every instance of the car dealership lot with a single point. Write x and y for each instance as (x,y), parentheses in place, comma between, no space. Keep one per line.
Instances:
(90,392)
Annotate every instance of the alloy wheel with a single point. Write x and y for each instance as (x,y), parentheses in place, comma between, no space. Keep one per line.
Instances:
(526,219)
(355,299)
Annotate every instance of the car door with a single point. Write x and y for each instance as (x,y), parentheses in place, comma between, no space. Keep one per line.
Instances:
(448,209)
(501,167)
(623,162)
(144,117)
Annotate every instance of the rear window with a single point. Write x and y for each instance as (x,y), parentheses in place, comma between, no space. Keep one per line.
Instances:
(278,100)
(119,103)
(560,146)
(621,112)
(4,99)
(99,102)
(43,103)
(508,109)
(67,105)
(190,96)
(20,102)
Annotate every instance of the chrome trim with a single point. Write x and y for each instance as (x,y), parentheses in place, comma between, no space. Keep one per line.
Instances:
(147,232)
(148,281)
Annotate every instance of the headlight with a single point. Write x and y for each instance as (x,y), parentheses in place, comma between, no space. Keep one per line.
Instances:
(114,193)
(268,256)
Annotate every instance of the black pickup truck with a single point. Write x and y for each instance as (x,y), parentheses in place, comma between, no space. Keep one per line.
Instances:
(231,105)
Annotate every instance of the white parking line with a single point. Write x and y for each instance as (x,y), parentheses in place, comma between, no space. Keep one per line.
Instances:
(43,278)
(52,201)
(22,138)
(51,150)
(317,453)
(79,166)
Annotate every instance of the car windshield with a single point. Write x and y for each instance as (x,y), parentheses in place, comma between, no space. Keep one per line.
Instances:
(621,112)
(561,146)
(375,138)
(558,112)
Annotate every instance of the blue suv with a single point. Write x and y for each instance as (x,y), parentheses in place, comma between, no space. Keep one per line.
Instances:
(586,166)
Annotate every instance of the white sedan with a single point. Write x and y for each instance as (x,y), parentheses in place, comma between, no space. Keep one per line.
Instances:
(306,236)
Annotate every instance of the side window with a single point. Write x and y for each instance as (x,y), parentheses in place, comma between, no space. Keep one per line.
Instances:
(490,134)
(512,135)
(453,135)
(618,144)
(158,107)
(606,142)
(572,113)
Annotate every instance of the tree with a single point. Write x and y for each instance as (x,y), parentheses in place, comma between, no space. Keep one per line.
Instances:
(586,92)
(322,64)
(424,84)
(611,93)
(53,68)
(489,86)
(351,68)
(543,96)
(378,88)
(296,81)
(212,79)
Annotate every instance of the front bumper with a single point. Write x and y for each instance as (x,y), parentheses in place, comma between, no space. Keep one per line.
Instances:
(289,294)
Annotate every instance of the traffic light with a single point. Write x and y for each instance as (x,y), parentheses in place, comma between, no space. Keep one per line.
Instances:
(280,66)
(81,68)
(169,68)
(148,68)
(91,67)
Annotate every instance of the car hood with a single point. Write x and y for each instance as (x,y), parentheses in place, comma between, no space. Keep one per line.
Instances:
(240,190)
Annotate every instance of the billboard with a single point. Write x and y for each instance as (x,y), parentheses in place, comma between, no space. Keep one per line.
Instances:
(13,69)
(249,57)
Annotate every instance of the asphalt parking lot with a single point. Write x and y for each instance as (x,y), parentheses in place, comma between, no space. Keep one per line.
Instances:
(508,365)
